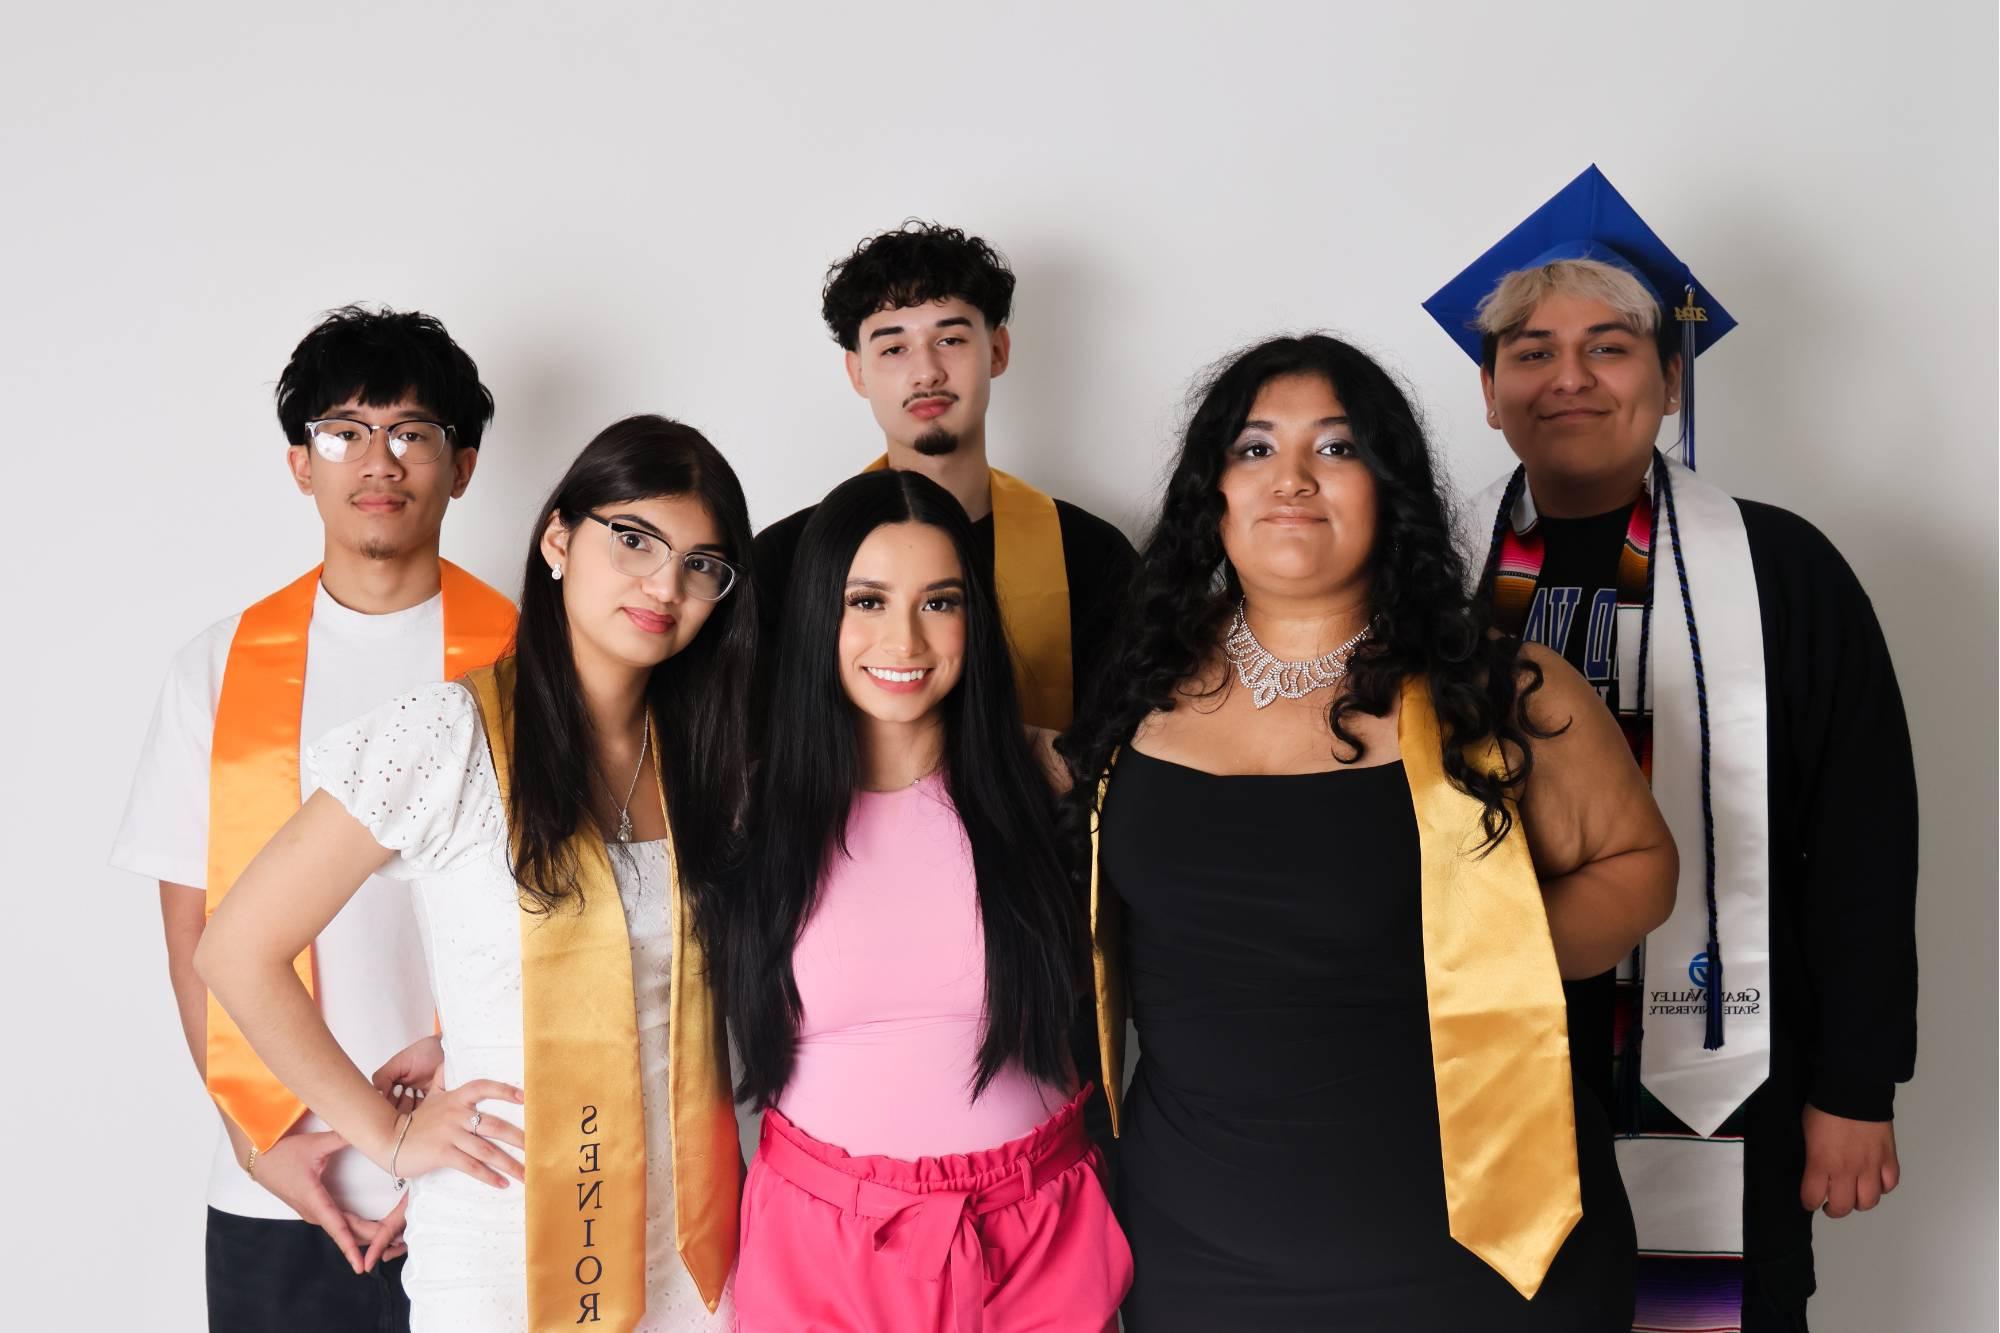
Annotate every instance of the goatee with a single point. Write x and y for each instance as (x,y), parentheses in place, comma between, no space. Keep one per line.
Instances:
(935,443)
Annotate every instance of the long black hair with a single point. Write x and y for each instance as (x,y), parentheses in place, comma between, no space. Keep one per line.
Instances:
(1426,619)
(699,697)
(811,769)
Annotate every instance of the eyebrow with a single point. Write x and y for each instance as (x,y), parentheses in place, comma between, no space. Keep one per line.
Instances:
(941,585)
(1267,425)
(894,330)
(1594,331)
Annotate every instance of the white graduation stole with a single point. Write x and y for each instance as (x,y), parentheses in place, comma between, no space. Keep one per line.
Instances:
(1687,1193)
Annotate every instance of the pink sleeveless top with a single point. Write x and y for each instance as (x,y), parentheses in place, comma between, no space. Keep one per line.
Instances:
(891,968)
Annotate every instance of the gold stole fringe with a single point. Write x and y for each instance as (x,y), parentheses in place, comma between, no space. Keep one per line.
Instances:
(1032,585)
(253,788)
(1499,1031)
(586,1154)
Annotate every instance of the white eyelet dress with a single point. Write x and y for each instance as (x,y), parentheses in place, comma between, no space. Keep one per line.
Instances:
(418,774)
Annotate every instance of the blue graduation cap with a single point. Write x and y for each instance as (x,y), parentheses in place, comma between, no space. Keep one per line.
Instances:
(1588,219)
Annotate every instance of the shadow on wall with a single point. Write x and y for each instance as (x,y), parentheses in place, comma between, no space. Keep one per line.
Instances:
(557,388)
(1041,397)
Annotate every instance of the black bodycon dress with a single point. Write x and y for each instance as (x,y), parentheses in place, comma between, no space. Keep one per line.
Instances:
(1279,1169)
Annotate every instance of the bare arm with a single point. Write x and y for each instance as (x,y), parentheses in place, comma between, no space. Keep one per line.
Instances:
(1605,856)
(278,906)
(184,914)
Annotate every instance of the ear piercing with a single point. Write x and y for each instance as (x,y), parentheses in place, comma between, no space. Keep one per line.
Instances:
(555,572)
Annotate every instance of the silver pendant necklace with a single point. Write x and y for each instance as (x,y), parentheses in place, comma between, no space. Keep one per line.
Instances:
(1267,676)
(624,833)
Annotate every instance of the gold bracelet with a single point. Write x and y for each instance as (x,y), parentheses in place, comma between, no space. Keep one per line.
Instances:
(402,1128)
(251,1165)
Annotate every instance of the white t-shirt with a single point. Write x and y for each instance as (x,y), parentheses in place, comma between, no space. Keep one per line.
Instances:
(372,987)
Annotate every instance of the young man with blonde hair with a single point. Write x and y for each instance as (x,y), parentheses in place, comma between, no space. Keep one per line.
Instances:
(1755,1069)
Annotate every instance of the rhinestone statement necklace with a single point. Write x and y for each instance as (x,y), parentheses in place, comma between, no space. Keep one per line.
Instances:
(1267,676)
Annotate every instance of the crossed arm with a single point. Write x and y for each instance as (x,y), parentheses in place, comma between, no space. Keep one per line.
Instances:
(1605,856)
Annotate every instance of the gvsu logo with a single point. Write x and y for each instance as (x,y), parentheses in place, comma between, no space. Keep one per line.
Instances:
(1694,1000)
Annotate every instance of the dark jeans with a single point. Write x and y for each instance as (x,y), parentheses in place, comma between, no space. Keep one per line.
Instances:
(285,1276)
(1775,1295)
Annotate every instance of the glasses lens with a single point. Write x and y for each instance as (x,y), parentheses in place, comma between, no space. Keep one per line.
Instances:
(707,577)
(635,554)
(417,441)
(339,440)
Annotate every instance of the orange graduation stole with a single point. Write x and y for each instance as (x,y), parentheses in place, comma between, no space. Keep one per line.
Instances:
(1032,585)
(1499,1030)
(586,1125)
(253,788)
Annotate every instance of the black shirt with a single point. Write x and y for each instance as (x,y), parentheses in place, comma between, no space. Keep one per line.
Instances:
(1097,559)
(1575,610)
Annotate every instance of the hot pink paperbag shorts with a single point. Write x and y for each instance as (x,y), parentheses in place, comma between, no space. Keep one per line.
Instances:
(1016,1239)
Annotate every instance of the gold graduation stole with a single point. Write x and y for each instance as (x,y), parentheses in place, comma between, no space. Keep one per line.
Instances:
(586,1126)
(1499,1030)
(1032,584)
(253,788)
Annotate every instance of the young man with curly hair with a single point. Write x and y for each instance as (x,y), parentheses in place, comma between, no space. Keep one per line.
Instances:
(921,312)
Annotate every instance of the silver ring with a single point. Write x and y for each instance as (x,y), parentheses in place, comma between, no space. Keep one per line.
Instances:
(473,1123)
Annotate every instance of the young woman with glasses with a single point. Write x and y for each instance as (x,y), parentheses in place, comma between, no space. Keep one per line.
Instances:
(563,821)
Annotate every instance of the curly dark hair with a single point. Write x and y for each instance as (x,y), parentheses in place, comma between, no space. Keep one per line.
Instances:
(915,264)
(1426,620)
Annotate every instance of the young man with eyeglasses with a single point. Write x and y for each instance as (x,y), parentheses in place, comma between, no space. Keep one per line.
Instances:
(382,414)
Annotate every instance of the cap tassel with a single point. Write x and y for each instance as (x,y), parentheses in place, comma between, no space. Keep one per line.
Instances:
(1664,495)
(1711,1039)
(1689,316)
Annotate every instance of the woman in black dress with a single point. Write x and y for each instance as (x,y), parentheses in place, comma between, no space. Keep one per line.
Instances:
(1353,838)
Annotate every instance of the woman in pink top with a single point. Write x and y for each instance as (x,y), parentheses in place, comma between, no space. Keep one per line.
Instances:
(906,959)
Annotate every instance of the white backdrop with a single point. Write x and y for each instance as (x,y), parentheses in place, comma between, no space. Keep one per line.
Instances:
(630,209)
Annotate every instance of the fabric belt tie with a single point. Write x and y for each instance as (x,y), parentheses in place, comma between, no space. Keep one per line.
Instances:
(939,1228)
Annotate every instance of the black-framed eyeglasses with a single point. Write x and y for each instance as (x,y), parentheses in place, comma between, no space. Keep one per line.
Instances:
(345,440)
(637,553)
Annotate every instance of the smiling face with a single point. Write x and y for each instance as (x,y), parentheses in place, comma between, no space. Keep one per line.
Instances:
(636,622)
(902,632)
(376,505)
(1580,392)
(927,373)
(1299,516)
